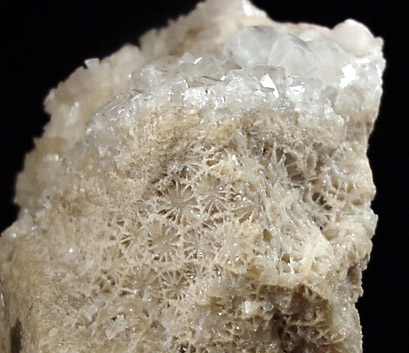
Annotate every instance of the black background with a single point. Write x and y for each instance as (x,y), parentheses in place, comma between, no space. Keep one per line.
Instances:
(43,42)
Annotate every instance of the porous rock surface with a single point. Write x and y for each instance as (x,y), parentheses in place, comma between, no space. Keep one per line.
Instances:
(207,192)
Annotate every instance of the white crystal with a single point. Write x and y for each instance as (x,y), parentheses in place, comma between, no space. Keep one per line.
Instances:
(293,55)
(354,37)
(264,45)
(349,75)
(207,192)
(252,45)
(267,82)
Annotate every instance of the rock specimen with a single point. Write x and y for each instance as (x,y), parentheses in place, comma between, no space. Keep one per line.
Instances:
(207,192)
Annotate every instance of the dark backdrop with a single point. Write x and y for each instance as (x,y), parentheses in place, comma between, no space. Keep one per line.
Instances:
(42,43)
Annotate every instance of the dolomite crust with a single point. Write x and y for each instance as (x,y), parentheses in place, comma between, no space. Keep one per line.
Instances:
(207,192)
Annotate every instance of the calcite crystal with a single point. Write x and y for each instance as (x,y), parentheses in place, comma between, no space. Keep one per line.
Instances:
(207,192)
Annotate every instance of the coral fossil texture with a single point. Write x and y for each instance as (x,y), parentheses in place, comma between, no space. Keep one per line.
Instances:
(207,192)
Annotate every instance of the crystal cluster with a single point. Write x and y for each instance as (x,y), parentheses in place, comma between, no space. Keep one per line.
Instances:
(208,192)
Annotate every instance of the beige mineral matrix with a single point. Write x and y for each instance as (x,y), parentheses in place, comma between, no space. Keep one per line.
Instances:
(206,192)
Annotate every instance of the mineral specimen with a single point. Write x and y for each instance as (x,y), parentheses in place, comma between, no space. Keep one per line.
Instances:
(207,192)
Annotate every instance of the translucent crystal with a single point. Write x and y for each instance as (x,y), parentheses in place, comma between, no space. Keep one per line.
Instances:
(251,45)
(206,192)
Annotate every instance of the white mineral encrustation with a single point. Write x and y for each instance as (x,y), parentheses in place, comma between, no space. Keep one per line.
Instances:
(208,192)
